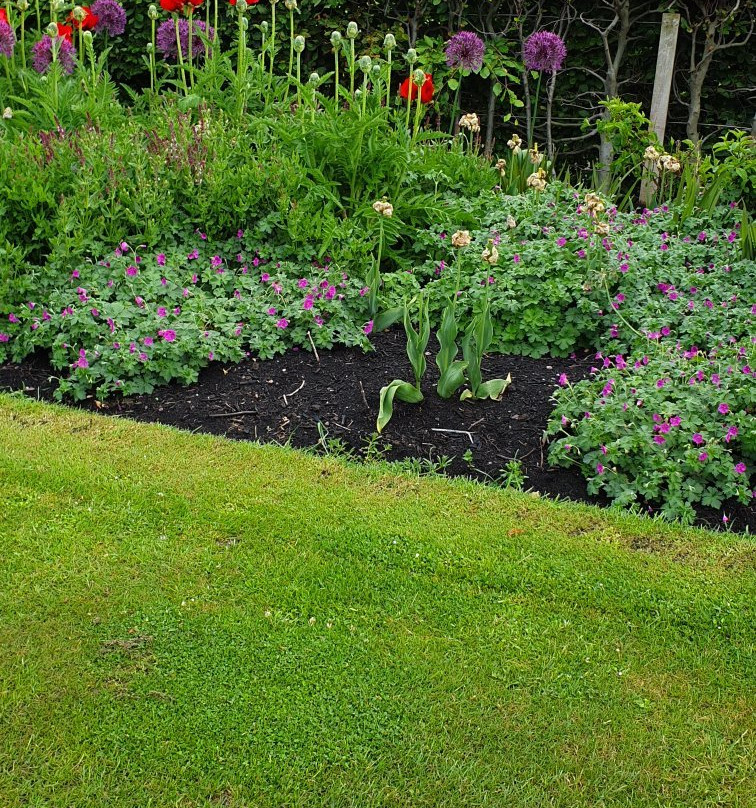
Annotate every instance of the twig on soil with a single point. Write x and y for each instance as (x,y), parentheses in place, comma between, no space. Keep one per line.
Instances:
(364,397)
(286,400)
(479,421)
(314,349)
(231,414)
(457,431)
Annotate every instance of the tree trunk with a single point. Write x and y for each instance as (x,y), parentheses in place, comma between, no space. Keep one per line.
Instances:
(490,119)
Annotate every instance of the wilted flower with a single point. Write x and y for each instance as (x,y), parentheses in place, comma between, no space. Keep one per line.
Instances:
(7,113)
(501,166)
(490,254)
(471,122)
(537,181)
(536,157)
(111,18)
(461,238)
(544,52)
(602,228)
(511,223)
(594,203)
(651,154)
(669,163)
(465,50)
(384,208)
(515,143)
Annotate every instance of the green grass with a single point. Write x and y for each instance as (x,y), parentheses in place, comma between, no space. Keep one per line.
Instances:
(186,621)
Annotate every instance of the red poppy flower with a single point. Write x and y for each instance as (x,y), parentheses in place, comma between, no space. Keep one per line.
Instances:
(87,24)
(65,31)
(172,6)
(3,15)
(426,91)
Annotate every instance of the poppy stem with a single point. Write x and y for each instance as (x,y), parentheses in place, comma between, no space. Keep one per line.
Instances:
(39,18)
(291,47)
(416,127)
(272,42)
(336,75)
(180,54)
(409,102)
(351,71)
(299,78)
(191,64)
(388,81)
(153,77)
(215,22)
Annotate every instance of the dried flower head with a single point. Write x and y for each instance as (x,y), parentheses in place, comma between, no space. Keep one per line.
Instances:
(501,166)
(471,122)
(536,157)
(594,204)
(383,208)
(669,163)
(490,254)
(515,143)
(461,238)
(465,50)
(651,154)
(544,52)
(602,228)
(537,181)
(511,223)
(7,114)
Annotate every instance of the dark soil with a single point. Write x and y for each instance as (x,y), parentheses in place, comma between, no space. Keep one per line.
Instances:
(287,398)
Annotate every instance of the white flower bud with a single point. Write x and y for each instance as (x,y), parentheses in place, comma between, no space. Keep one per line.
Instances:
(335,39)
(365,63)
(152,12)
(352,30)
(52,30)
(299,43)
(7,113)
(411,56)
(389,42)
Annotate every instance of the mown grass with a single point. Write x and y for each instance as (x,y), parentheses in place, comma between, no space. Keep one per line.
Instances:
(186,621)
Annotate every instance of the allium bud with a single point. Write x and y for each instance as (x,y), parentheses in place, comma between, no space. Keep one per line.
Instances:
(461,238)
(152,12)
(411,56)
(365,63)
(389,42)
(335,39)
(52,30)
(352,30)
(299,43)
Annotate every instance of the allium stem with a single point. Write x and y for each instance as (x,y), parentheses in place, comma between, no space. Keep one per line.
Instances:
(291,41)
(455,107)
(388,81)
(535,112)
(180,54)
(23,48)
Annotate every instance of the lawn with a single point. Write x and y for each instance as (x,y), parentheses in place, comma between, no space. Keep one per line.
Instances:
(187,621)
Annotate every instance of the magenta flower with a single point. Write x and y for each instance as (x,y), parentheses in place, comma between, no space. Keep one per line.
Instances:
(368,327)
(599,468)
(723,408)
(132,271)
(563,380)
(282,323)
(7,40)
(703,457)
(697,438)
(544,52)
(162,311)
(465,50)
(161,259)
(561,241)
(4,337)
(81,362)
(42,54)
(111,18)
(169,335)
(659,439)
(740,468)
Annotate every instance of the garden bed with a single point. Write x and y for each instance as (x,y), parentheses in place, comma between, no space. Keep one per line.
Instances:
(331,402)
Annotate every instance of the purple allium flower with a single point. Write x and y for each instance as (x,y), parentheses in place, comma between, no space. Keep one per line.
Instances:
(544,52)
(111,18)
(465,50)
(7,39)
(43,52)
(166,38)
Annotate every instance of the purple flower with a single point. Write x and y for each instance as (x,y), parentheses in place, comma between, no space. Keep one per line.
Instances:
(697,438)
(544,52)
(42,54)
(465,50)
(368,327)
(282,323)
(4,337)
(563,380)
(131,271)
(81,362)
(161,259)
(166,38)
(599,468)
(740,468)
(169,335)
(161,312)
(703,457)
(7,40)
(111,18)
(723,408)
(659,439)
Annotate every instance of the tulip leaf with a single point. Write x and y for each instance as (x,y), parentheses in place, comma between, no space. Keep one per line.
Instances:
(404,391)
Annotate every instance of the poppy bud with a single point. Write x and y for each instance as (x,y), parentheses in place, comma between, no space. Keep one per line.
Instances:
(299,43)
(150,49)
(365,63)
(79,14)
(152,12)
(376,71)
(418,78)
(264,26)
(58,5)
(314,79)
(241,6)
(87,37)
(335,39)
(291,5)
(352,30)
(389,42)
(23,6)
(52,30)
(411,56)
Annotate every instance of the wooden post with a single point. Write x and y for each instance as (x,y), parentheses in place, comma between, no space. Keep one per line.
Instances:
(665,65)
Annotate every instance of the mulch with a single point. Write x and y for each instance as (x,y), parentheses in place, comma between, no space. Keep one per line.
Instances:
(305,401)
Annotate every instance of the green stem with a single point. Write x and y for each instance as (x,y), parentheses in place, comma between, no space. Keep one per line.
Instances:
(7,69)
(535,112)
(191,62)
(455,107)
(336,74)
(180,54)
(242,51)
(409,103)
(39,18)
(299,77)
(364,94)
(215,22)
(351,71)
(153,76)
(272,42)
(416,128)
(388,82)
(291,41)
(23,47)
